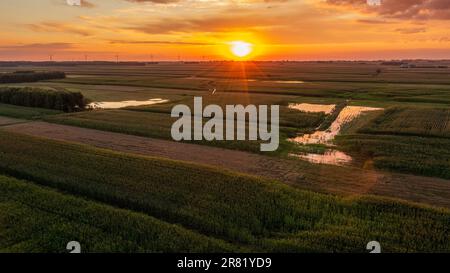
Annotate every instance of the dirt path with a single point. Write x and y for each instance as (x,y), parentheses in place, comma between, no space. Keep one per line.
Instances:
(321,178)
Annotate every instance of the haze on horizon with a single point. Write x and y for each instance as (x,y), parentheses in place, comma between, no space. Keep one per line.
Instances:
(203,29)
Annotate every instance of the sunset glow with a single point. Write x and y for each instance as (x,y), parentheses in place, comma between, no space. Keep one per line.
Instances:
(241,49)
(198,30)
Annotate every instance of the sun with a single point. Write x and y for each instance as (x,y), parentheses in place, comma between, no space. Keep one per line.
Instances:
(241,49)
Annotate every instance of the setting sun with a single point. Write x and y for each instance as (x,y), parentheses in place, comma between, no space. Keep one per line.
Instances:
(241,49)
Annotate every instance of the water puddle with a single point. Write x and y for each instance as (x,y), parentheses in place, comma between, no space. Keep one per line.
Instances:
(313,108)
(330,157)
(122,104)
(348,114)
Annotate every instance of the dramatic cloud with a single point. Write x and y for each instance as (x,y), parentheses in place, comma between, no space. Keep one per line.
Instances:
(402,9)
(302,29)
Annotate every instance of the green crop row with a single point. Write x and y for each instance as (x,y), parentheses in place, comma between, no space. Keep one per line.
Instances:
(415,121)
(260,214)
(408,154)
(38,219)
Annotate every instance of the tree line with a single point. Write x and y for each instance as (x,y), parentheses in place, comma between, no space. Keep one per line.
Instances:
(66,101)
(30,76)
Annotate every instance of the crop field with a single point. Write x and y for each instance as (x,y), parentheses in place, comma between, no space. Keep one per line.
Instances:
(405,139)
(157,124)
(261,215)
(419,155)
(331,81)
(394,189)
(48,226)
(412,121)
(13,111)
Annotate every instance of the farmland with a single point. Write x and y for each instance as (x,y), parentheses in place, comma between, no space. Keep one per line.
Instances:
(245,210)
(13,111)
(118,193)
(48,226)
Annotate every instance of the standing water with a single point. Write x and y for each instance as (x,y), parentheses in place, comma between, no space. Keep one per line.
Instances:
(326,137)
(122,104)
(347,114)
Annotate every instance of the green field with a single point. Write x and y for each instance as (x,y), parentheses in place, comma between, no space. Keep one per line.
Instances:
(426,122)
(259,214)
(53,192)
(39,219)
(25,112)
(411,140)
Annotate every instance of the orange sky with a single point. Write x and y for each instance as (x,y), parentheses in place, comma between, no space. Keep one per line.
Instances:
(203,29)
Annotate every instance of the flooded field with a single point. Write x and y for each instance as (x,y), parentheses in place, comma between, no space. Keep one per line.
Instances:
(123,104)
(330,157)
(348,114)
(313,108)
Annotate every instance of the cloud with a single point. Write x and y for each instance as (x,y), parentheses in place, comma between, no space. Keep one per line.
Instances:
(40,50)
(59,27)
(374,21)
(401,9)
(39,46)
(147,42)
(223,23)
(411,30)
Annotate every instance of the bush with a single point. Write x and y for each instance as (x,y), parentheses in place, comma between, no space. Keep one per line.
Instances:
(43,98)
(30,76)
